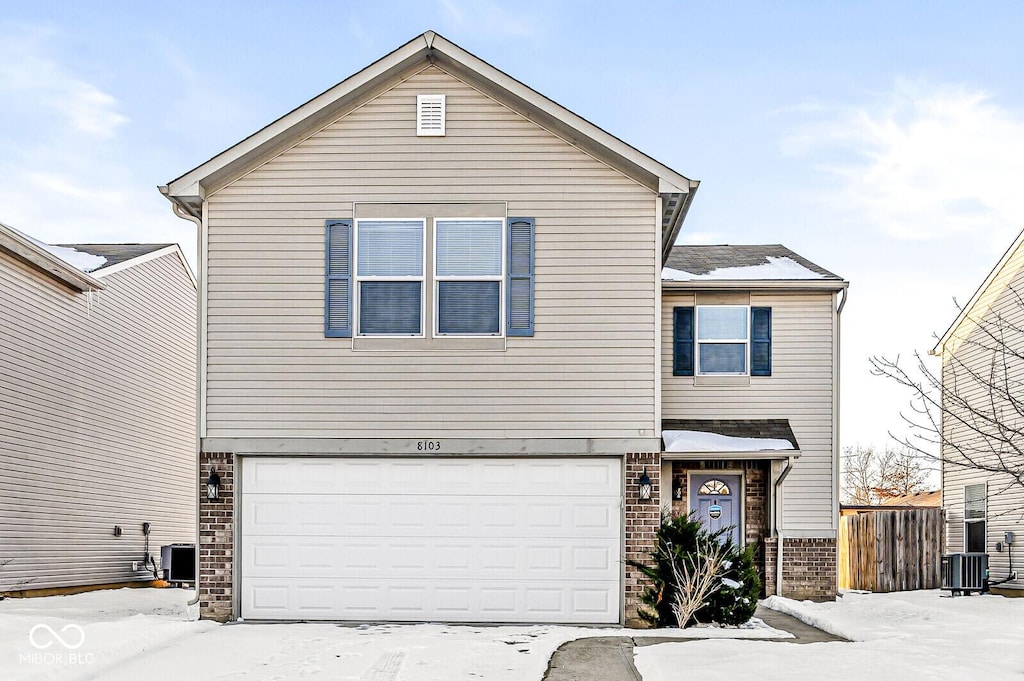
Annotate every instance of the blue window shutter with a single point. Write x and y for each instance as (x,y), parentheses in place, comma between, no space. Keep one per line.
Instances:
(519,317)
(338,284)
(760,341)
(682,341)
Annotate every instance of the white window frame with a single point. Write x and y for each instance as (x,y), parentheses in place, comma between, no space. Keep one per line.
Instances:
(697,342)
(973,521)
(359,279)
(500,278)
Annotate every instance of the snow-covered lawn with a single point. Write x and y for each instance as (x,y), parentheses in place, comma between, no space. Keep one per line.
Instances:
(919,635)
(151,634)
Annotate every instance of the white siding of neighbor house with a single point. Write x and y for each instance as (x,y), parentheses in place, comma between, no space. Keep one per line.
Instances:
(97,423)
(1005,503)
(587,371)
(800,389)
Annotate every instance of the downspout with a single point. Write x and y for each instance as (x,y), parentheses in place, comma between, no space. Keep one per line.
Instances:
(779,536)
(199,472)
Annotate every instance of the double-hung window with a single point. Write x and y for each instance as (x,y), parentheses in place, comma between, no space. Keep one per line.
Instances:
(722,340)
(389,277)
(975,502)
(468,275)
(429,277)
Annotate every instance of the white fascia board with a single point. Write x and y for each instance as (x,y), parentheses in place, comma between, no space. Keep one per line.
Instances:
(669,181)
(152,255)
(427,47)
(759,455)
(190,184)
(965,313)
(23,249)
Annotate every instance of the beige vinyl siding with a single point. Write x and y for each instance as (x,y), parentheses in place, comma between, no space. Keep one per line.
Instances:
(97,424)
(800,389)
(587,371)
(1005,502)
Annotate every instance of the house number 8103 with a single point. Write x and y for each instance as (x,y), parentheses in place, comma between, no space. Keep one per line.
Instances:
(428,446)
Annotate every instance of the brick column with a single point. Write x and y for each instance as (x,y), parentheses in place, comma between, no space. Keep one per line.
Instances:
(642,519)
(808,568)
(216,536)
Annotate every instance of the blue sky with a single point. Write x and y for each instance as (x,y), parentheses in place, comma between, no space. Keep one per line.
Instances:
(884,141)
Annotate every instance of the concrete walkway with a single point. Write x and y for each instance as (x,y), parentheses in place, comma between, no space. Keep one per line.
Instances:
(610,658)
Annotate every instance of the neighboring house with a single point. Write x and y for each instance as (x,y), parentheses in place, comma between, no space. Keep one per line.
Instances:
(750,390)
(907,502)
(985,347)
(97,410)
(432,337)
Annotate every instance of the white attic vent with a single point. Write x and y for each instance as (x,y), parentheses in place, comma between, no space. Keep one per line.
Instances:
(430,115)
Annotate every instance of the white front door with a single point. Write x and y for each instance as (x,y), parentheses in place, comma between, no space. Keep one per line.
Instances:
(458,540)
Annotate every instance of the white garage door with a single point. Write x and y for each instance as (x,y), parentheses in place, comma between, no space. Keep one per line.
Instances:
(456,540)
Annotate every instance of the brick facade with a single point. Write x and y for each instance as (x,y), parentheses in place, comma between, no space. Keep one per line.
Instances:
(642,519)
(216,538)
(808,568)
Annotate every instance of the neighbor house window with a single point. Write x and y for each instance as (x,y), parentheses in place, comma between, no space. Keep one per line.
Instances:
(975,499)
(389,277)
(722,340)
(468,276)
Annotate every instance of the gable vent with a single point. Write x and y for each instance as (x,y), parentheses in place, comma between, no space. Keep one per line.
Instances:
(430,115)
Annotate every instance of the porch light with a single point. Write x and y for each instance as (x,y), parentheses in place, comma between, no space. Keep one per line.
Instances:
(213,486)
(644,485)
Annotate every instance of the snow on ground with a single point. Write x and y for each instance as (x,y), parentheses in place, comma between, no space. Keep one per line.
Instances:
(151,634)
(919,635)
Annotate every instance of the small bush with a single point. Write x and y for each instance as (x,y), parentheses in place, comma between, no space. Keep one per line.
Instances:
(684,550)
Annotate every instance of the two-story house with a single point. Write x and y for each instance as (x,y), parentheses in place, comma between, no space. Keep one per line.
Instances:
(982,356)
(431,367)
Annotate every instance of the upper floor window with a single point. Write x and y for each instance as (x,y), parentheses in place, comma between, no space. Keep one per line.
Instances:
(439,277)
(721,340)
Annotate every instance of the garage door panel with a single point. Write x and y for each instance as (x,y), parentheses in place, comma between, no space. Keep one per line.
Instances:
(479,516)
(416,601)
(474,540)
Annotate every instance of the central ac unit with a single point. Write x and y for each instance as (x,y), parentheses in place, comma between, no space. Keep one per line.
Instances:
(965,572)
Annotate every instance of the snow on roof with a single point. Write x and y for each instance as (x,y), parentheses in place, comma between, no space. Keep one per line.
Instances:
(699,441)
(776,267)
(87,262)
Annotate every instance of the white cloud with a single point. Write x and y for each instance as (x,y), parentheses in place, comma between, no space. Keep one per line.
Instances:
(29,77)
(923,162)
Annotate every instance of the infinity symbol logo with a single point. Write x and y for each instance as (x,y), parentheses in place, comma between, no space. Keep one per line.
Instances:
(41,642)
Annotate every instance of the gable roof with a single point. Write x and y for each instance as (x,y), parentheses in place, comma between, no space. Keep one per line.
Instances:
(116,254)
(690,266)
(975,309)
(34,254)
(189,190)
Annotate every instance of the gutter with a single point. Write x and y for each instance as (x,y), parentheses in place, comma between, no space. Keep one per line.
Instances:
(779,537)
(185,215)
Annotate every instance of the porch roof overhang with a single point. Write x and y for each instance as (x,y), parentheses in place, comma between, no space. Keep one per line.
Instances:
(756,439)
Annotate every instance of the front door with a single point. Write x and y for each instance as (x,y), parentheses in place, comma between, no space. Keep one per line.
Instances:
(715,499)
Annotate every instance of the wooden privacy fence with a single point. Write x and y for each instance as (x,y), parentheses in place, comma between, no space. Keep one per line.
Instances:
(891,550)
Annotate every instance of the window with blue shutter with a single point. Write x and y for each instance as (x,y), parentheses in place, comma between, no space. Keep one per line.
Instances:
(760,341)
(519,314)
(338,287)
(468,273)
(389,277)
(682,341)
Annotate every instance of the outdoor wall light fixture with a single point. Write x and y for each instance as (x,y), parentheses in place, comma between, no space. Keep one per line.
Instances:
(644,487)
(213,486)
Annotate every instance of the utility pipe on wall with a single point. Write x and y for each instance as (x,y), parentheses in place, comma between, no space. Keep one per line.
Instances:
(779,536)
